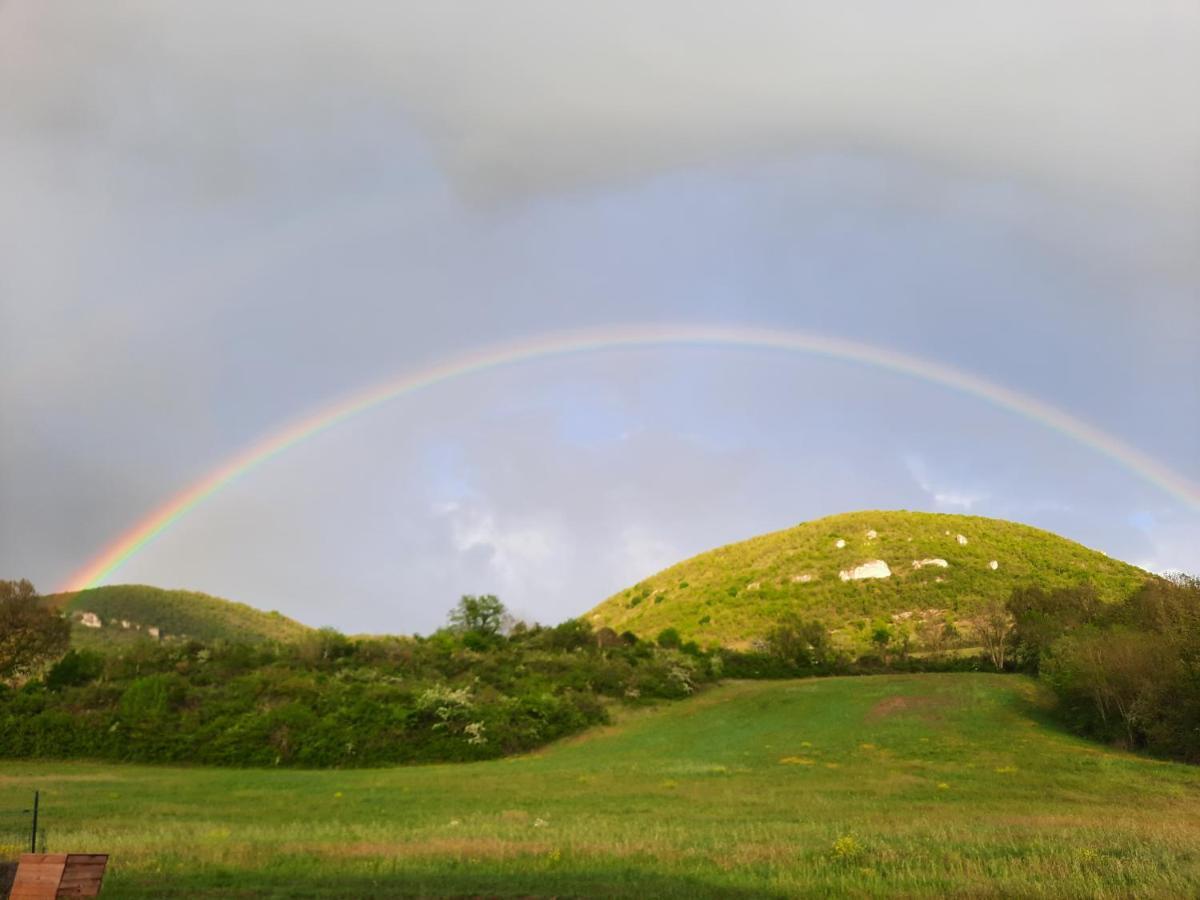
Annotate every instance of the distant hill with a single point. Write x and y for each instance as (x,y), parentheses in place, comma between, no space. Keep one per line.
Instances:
(117,614)
(913,572)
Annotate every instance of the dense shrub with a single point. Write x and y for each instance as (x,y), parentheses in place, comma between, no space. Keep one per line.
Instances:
(329,700)
(1127,672)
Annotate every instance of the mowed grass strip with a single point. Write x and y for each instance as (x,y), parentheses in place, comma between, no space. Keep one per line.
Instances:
(918,785)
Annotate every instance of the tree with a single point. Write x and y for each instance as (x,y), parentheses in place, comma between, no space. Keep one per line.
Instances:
(994,626)
(669,639)
(31,635)
(802,643)
(1040,618)
(480,615)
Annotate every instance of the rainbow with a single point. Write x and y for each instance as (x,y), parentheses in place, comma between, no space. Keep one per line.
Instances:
(620,338)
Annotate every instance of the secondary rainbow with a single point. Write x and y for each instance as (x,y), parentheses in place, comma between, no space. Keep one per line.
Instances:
(558,344)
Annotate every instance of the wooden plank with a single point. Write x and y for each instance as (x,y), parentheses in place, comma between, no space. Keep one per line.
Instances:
(83,875)
(38,875)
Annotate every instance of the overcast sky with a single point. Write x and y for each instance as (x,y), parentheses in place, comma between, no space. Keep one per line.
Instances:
(216,217)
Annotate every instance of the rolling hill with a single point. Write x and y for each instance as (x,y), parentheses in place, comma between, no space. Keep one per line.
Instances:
(912,572)
(116,614)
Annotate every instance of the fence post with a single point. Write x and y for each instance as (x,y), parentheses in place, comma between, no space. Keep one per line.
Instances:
(33,834)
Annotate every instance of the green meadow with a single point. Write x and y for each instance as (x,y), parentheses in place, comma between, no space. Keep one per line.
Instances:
(909,785)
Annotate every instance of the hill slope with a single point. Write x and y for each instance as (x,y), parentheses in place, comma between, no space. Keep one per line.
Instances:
(941,568)
(121,612)
(913,786)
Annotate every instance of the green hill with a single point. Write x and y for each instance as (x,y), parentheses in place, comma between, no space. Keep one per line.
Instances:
(119,613)
(941,570)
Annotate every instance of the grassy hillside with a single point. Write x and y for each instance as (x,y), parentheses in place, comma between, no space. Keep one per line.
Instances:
(128,612)
(915,786)
(734,594)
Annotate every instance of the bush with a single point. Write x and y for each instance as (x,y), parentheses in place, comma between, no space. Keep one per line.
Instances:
(329,700)
(668,638)
(77,668)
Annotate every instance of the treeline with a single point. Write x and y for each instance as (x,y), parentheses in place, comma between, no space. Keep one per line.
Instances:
(466,692)
(1126,672)
(483,687)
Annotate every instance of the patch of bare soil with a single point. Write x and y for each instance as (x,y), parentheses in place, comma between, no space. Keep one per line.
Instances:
(926,707)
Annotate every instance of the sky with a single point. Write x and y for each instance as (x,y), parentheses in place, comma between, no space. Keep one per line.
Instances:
(219,218)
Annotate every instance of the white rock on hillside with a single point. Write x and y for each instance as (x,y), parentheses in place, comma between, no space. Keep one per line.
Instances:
(872,534)
(801,579)
(875,568)
(962,539)
(90,620)
(922,563)
(153,631)
(993,565)
(840,544)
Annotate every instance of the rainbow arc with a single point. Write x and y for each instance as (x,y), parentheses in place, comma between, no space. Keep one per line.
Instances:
(560,344)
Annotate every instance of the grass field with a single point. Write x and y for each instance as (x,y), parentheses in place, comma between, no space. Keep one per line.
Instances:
(920,785)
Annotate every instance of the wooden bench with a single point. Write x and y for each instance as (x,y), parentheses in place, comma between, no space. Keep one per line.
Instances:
(44,876)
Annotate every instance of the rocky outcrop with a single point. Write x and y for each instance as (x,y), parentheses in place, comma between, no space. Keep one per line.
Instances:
(922,563)
(875,568)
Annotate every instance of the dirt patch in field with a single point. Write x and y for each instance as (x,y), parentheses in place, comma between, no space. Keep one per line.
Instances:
(925,707)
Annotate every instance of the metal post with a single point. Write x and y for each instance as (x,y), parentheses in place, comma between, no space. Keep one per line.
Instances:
(33,835)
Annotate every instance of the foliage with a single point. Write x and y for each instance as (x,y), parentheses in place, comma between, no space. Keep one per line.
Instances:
(734,595)
(805,644)
(76,668)
(330,700)
(482,615)
(31,635)
(668,637)
(1126,672)
(1040,617)
(994,628)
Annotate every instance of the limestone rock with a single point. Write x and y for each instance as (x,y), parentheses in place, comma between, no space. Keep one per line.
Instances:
(922,563)
(875,568)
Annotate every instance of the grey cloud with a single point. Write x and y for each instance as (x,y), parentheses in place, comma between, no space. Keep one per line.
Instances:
(1092,95)
(219,215)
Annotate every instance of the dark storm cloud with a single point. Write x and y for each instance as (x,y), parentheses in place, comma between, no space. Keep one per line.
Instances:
(218,216)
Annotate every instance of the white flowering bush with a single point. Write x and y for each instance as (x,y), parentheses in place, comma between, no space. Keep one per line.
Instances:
(446,703)
(474,732)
